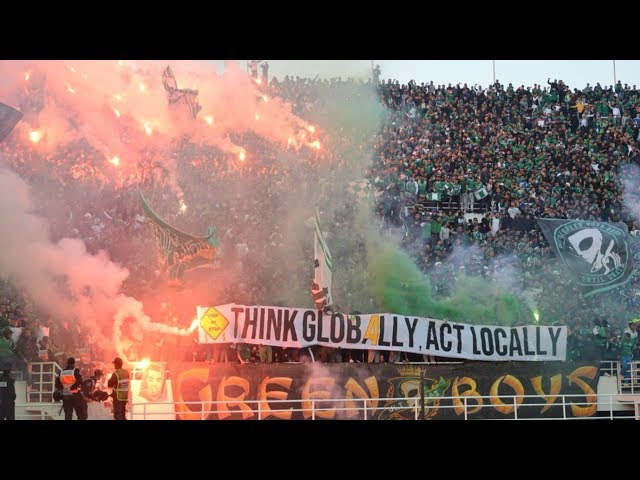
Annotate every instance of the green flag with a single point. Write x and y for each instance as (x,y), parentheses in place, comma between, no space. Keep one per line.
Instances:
(433,196)
(182,252)
(599,254)
(481,193)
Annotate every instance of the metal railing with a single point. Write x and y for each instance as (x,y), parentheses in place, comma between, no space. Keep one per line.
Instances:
(514,407)
(503,407)
(52,413)
(630,385)
(43,381)
(517,407)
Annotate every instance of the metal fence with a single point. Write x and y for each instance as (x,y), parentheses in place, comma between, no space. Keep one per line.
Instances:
(361,409)
(623,404)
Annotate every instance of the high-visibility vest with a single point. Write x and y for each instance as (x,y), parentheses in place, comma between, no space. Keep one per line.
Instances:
(67,378)
(43,354)
(122,389)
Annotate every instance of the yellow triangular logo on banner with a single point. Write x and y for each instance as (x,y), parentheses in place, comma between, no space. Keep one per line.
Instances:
(213,322)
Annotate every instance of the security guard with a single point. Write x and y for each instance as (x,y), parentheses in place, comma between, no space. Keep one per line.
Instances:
(119,382)
(7,394)
(70,381)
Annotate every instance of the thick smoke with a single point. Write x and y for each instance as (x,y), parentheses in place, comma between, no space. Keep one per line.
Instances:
(398,286)
(120,108)
(269,170)
(630,178)
(354,113)
(371,271)
(61,277)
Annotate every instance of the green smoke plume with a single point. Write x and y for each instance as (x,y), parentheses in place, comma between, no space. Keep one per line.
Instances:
(399,287)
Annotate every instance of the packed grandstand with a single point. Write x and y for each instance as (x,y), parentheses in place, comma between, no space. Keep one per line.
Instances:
(453,178)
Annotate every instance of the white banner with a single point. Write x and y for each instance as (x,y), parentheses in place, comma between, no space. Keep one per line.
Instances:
(323,264)
(299,327)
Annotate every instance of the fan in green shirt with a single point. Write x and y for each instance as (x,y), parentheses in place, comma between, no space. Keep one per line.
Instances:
(440,187)
(454,189)
(436,226)
(478,236)
(426,230)
(626,345)
(422,187)
(602,108)
(471,185)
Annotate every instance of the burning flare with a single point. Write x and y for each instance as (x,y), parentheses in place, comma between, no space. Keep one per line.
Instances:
(35,136)
(143,364)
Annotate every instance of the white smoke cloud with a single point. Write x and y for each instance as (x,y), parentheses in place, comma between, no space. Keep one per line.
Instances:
(62,277)
(629,176)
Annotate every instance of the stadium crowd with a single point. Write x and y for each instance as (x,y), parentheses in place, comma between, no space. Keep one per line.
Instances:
(461,172)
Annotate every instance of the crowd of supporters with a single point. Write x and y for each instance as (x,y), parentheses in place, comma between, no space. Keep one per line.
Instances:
(460,171)
(510,155)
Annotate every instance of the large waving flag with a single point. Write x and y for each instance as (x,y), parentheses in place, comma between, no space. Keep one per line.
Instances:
(182,252)
(9,117)
(599,254)
(186,97)
(169,80)
(190,100)
(323,266)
